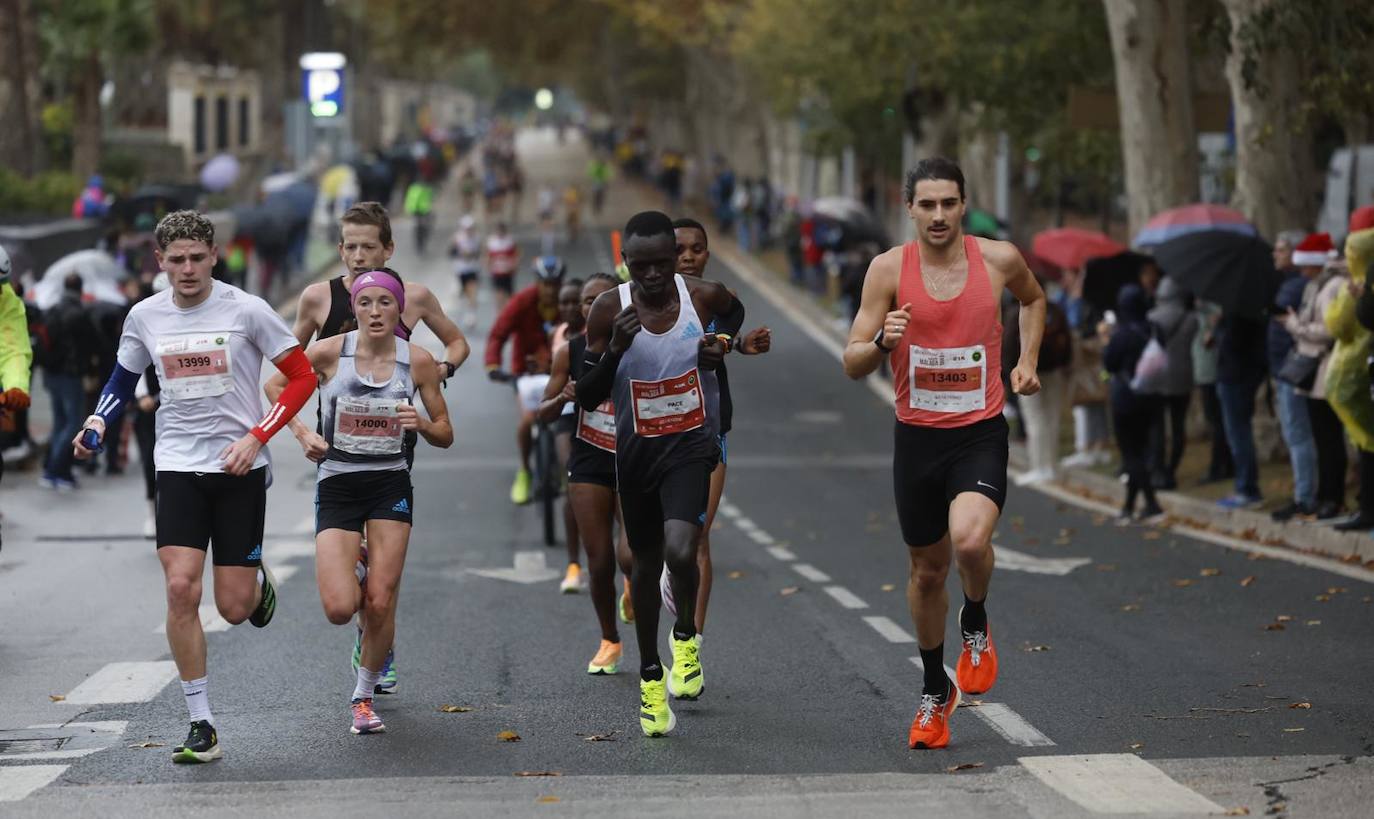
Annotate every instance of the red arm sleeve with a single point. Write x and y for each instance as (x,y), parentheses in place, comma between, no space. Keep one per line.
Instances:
(503,328)
(300,386)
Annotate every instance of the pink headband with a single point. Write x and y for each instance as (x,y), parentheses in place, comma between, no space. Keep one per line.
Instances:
(382,279)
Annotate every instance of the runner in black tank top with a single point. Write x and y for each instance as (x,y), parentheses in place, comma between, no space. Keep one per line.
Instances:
(591,484)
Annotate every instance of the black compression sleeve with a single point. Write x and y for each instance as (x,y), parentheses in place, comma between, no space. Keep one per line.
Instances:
(598,378)
(732,319)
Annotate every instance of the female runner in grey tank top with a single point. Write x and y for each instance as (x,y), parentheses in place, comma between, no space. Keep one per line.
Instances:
(368,379)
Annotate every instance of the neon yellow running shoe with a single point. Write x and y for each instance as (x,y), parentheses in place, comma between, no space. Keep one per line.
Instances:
(655,717)
(686,680)
(520,490)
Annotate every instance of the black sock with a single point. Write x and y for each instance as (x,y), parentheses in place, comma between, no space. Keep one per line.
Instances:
(651,673)
(974,617)
(678,635)
(936,680)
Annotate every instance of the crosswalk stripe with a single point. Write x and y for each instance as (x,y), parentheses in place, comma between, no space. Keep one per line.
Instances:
(18,781)
(1117,783)
(124,682)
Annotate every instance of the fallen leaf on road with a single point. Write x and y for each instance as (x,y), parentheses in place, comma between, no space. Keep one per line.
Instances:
(1152,534)
(1314,622)
(1274,627)
(1105,567)
(1136,746)
(1367,599)
(1240,811)
(547,800)
(1253,685)
(1210,572)
(508,736)
(148,744)
(1131,607)
(1067,532)
(57,697)
(790,590)
(1336,590)
(1323,598)
(1303,705)
(1284,618)
(454,709)
(1036,648)
(889,586)
(1293,730)
(1247,580)
(1183,583)
(1062,541)
(963,766)
(609,736)
(735,575)
(538,773)
(1098,520)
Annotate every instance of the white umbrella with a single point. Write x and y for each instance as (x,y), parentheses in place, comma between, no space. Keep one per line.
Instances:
(219,173)
(100,276)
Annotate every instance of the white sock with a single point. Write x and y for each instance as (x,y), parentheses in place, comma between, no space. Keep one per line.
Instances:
(197,699)
(367,683)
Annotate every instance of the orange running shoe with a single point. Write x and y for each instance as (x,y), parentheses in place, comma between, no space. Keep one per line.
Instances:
(627,606)
(607,659)
(977,667)
(930,728)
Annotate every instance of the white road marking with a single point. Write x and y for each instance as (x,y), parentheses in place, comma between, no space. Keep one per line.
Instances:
(811,573)
(529,568)
(761,537)
(124,682)
(916,661)
(890,631)
(728,509)
(210,620)
(307,525)
(289,549)
(284,573)
(18,781)
(1014,561)
(746,524)
(1117,783)
(781,553)
(1011,725)
(845,597)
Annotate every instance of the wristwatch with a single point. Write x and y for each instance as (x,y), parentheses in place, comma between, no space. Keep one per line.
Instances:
(878,342)
(451,369)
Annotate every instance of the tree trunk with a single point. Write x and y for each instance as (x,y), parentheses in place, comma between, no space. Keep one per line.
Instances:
(21,146)
(87,125)
(1154,94)
(1275,175)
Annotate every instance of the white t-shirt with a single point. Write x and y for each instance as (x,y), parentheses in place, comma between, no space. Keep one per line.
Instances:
(501,250)
(209,364)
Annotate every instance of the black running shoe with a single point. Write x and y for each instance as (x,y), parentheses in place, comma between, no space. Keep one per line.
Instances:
(201,745)
(262,615)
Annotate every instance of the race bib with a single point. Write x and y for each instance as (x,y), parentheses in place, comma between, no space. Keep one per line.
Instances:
(195,365)
(668,407)
(598,426)
(951,379)
(367,427)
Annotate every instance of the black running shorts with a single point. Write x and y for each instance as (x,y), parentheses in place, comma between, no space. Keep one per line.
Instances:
(198,509)
(589,464)
(349,500)
(931,466)
(504,283)
(681,494)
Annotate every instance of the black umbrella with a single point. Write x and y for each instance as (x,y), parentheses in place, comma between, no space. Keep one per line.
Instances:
(1229,269)
(856,224)
(1104,277)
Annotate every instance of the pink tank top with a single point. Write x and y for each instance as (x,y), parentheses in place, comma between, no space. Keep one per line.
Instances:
(947,369)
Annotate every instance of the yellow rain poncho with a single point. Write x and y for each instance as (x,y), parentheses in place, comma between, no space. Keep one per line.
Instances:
(1347,375)
(16,357)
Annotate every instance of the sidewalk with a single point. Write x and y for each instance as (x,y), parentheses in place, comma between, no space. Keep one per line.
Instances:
(1186,511)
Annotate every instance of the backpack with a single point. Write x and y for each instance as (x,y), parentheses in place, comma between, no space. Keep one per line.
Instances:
(1056,345)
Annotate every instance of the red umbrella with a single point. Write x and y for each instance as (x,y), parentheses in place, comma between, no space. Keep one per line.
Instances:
(1071,248)
(1176,222)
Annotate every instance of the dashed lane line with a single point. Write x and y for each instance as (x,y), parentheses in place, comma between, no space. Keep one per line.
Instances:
(781,553)
(811,573)
(845,597)
(761,537)
(889,630)
(1011,726)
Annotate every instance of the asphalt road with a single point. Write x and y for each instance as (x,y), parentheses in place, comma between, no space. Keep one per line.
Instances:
(1141,670)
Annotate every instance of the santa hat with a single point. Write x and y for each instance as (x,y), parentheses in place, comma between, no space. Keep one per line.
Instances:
(1314,251)
(1362,219)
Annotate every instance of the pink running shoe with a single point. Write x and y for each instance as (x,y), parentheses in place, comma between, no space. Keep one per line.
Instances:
(365,721)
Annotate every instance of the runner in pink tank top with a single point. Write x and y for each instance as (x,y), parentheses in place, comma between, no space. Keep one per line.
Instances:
(932,308)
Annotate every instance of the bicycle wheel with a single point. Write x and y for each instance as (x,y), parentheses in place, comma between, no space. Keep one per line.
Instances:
(546,459)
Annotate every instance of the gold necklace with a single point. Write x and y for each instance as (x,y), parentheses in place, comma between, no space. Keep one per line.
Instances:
(941,285)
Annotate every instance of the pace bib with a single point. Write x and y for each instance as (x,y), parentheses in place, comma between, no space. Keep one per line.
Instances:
(949,379)
(668,407)
(196,365)
(365,426)
(598,426)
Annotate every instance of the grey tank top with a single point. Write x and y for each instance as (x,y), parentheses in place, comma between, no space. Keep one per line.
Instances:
(359,416)
(662,411)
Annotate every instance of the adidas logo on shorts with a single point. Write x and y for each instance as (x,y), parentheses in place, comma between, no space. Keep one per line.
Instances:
(402,505)
(256,554)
